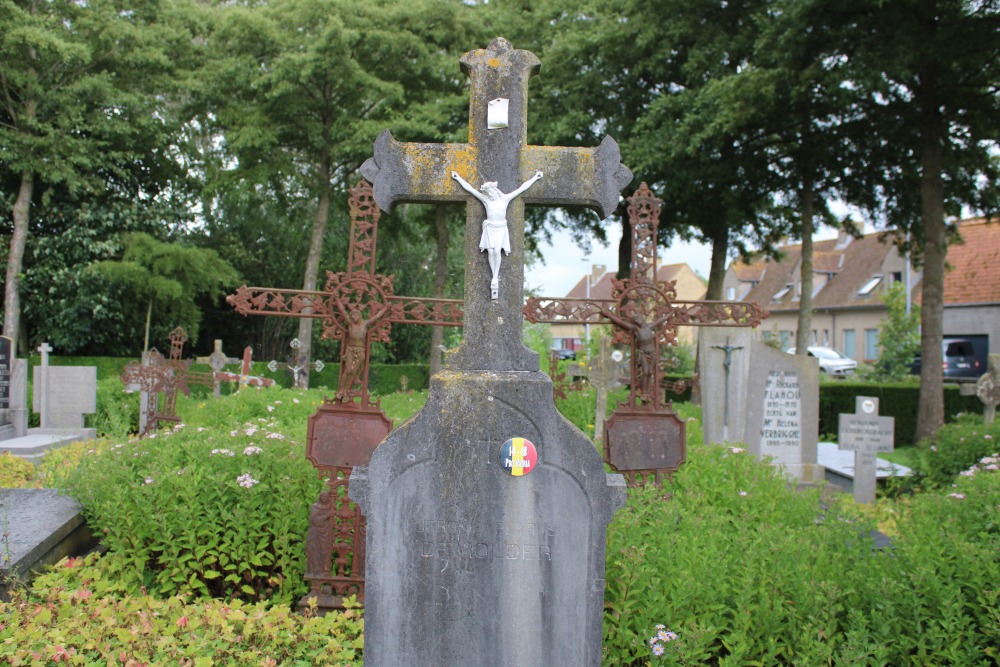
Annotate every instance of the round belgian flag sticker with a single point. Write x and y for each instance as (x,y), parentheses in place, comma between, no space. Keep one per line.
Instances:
(518,457)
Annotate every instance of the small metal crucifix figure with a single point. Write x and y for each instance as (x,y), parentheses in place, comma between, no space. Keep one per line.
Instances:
(727,364)
(495,235)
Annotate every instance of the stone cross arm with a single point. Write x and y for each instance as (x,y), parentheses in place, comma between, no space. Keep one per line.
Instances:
(420,172)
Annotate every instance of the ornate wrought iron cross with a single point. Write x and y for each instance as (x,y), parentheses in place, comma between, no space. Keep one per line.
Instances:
(645,313)
(358,290)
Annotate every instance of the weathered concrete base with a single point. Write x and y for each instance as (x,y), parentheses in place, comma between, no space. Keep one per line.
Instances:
(469,565)
(38,441)
(40,527)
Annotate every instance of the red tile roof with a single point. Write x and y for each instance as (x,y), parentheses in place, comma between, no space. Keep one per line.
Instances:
(973,273)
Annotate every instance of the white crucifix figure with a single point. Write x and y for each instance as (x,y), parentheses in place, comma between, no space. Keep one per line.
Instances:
(495,235)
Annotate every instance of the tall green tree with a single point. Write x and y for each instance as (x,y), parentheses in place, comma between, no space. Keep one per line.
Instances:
(77,105)
(927,138)
(169,276)
(302,89)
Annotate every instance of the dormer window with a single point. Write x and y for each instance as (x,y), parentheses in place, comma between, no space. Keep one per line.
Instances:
(781,293)
(870,285)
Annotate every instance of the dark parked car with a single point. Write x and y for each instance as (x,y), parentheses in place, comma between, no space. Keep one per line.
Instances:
(565,354)
(959,359)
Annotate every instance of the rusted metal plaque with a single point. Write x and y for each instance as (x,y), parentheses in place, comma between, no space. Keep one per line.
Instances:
(641,444)
(339,435)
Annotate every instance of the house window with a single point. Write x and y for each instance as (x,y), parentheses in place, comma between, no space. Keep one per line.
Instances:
(731,294)
(826,338)
(786,339)
(871,343)
(896,277)
(849,343)
(870,285)
(814,337)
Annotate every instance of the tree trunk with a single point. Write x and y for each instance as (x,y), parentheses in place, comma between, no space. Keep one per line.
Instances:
(803,338)
(440,277)
(717,272)
(931,412)
(15,260)
(309,283)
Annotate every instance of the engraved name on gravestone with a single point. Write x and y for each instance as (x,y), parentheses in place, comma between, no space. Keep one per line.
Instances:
(487,512)
(782,420)
(867,434)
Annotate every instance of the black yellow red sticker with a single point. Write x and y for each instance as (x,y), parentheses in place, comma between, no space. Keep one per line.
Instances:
(518,457)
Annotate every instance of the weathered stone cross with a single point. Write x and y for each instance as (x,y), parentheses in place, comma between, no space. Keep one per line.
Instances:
(217,361)
(420,172)
(358,290)
(488,509)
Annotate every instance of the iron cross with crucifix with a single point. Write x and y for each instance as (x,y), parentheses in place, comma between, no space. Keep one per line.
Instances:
(645,312)
(357,306)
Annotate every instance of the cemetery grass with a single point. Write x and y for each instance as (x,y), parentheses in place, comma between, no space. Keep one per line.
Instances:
(204,528)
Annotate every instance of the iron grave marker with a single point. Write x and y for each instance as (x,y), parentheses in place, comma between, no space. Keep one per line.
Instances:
(469,562)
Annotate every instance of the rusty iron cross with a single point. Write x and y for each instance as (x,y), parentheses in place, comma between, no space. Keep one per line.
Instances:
(358,290)
(645,312)
(496,150)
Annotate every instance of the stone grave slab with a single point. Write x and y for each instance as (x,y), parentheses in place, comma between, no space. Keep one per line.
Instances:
(838,467)
(72,393)
(782,420)
(41,528)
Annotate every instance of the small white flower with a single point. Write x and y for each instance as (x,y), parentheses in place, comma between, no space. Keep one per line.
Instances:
(959,496)
(201,429)
(251,450)
(742,492)
(148,480)
(295,400)
(246,481)
(736,450)
(270,408)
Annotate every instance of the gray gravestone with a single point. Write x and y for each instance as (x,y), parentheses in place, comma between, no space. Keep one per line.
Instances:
(487,512)
(866,434)
(724,385)
(782,414)
(6,371)
(62,395)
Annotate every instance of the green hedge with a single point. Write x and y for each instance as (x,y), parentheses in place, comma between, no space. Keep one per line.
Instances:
(895,400)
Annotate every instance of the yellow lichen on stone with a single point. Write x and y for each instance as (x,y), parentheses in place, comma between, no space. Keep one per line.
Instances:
(493,62)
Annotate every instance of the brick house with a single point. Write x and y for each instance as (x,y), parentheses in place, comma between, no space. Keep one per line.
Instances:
(850,277)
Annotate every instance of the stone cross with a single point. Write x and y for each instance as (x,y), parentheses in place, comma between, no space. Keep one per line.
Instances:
(294,364)
(421,172)
(217,361)
(487,512)
(988,388)
(726,365)
(644,313)
(866,434)
(358,290)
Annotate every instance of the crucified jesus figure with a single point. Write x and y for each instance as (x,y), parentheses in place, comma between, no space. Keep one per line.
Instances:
(495,234)
(645,336)
(356,351)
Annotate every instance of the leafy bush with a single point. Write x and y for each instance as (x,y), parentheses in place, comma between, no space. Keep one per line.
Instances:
(746,571)
(956,448)
(15,472)
(71,617)
(206,510)
(117,412)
